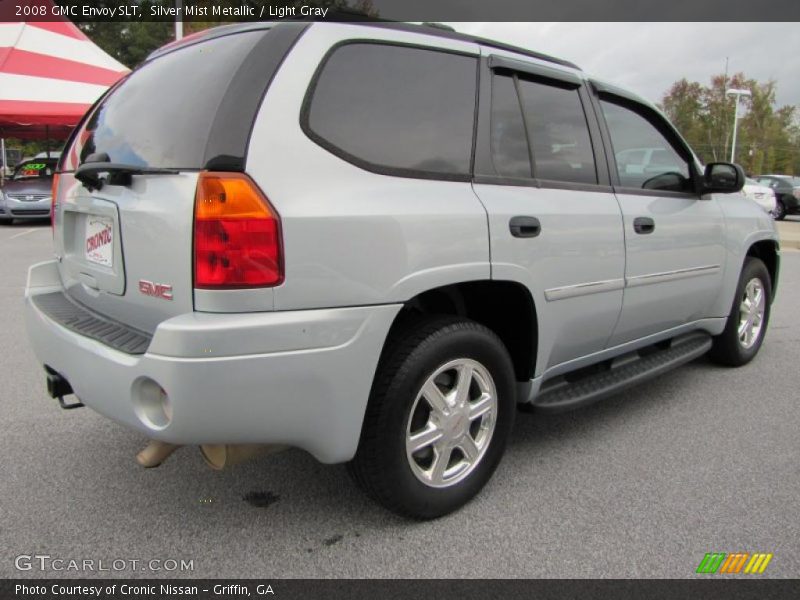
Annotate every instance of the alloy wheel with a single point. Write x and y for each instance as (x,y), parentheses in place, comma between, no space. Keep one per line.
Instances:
(451,423)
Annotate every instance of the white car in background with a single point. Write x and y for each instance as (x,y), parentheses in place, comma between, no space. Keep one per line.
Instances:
(762,195)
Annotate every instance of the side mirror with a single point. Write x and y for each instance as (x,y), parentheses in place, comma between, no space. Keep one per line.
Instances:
(722,178)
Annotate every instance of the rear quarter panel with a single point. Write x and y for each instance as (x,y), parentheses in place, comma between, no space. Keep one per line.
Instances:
(353,237)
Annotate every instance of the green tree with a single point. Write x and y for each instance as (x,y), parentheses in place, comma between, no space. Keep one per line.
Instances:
(130,42)
(768,138)
(683,104)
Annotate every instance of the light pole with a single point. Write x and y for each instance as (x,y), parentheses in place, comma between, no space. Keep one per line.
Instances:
(738,94)
(179,20)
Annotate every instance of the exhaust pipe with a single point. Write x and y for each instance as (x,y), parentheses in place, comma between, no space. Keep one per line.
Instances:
(155,453)
(216,456)
(219,456)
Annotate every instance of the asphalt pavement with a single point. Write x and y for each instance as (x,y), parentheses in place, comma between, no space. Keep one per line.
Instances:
(704,459)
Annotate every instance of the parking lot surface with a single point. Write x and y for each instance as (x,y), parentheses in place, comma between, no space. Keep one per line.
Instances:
(704,459)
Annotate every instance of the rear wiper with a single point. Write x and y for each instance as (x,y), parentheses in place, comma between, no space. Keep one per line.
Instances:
(118,173)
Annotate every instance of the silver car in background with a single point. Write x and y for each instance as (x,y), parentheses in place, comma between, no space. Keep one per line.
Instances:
(27,194)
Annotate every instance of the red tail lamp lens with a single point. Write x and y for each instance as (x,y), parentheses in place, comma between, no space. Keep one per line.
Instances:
(237,236)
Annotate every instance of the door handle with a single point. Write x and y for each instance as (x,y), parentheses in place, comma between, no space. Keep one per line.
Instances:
(644,225)
(524,227)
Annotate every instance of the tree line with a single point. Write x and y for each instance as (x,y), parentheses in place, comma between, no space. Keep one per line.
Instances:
(768,136)
(130,42)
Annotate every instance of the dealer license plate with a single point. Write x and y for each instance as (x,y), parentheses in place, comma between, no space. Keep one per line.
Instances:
(100,241)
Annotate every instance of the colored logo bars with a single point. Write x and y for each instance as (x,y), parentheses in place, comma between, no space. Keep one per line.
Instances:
(720,562)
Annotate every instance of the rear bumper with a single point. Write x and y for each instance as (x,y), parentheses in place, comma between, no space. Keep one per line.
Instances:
(298,378)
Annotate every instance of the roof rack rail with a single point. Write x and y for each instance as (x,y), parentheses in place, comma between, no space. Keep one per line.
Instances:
(347,15)
(436,29)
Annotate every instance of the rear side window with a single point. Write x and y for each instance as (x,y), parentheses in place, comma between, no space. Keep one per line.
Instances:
(396,109)
(510,156)
(542,122)
(558,131)
(162,114)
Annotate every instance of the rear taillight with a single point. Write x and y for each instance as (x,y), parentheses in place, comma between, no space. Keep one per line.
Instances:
(53,199)
(237,234)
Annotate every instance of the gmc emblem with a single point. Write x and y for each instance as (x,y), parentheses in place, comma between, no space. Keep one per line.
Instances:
(156,290)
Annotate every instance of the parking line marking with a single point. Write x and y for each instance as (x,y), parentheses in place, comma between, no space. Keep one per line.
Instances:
(20,234)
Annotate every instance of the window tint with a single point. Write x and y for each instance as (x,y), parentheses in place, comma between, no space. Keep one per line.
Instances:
(556,127)
(397,108)
(510,156)
(161,115)
(645,158)
(558,132)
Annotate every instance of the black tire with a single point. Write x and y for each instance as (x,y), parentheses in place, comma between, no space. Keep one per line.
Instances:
(728,350)
(381,466)
(6,221)
(779,214)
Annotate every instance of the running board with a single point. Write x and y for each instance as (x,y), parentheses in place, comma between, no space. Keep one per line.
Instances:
(588,385)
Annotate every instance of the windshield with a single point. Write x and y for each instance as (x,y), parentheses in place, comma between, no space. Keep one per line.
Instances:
(33,169)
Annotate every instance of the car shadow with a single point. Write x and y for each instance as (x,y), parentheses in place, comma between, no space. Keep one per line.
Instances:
(25,223)
(292,487)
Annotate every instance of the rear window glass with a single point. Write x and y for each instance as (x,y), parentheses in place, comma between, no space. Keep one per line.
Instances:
(396,109)
(161,115)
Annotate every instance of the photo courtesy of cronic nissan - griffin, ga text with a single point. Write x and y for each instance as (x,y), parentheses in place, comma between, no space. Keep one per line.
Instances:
(376,242)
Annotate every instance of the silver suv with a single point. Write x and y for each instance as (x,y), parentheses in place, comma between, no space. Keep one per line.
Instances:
(374,242)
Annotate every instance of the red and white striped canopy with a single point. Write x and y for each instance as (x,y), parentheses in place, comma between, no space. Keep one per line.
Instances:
(50,74)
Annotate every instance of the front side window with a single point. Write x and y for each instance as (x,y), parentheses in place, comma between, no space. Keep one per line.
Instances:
(645,158)
(396,109)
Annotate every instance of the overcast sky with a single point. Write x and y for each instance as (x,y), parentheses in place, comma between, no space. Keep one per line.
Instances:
(648,57)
